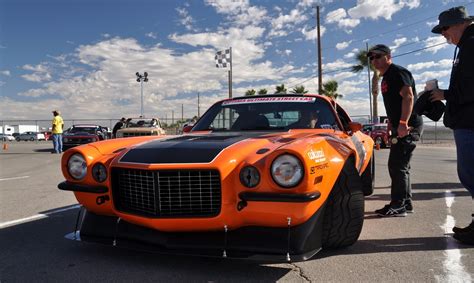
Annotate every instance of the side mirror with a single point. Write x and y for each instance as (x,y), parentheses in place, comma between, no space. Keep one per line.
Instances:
(187,129)
(355,127)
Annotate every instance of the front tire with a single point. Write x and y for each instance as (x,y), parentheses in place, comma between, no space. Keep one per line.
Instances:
(344,214)
(368,177)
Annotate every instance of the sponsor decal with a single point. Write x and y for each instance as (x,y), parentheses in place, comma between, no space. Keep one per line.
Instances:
(316,155)
(313,169)
(269,99)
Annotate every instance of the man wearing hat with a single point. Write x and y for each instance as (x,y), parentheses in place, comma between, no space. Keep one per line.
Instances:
(57,131)
(399,94)
(118,126)
(456,26)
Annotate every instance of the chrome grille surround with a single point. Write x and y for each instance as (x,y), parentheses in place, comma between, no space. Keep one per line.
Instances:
(167,193)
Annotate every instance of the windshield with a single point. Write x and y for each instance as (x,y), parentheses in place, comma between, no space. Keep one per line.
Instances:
(268,113)
(134,123)
(89,130)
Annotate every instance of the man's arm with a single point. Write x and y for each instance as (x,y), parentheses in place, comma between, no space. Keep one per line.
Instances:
(407,105)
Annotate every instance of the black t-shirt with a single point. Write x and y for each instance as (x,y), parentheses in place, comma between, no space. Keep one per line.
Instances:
(393,80)
(117,127)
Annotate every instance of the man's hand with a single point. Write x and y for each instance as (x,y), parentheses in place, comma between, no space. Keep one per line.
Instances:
(437,94)
(403,130)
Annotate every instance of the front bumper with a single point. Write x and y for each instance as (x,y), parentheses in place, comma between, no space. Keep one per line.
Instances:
(294,243)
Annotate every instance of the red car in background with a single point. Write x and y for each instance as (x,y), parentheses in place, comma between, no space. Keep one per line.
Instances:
(82,134)
(380,135)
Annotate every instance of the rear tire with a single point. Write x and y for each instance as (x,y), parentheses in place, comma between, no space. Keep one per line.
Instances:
(344,214)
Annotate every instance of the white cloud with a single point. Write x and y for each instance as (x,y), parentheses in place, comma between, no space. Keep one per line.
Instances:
(343,45)
(284,23)
(2,83)
(374,9)
(5,73)
(151,35)
(340,17)
(41,73)
(184,18)
(435,43)
(429,75)
(443,64)
(312,33)
(239,12)
(336,65)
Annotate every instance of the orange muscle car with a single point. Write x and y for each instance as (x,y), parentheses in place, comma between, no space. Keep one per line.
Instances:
(274,177)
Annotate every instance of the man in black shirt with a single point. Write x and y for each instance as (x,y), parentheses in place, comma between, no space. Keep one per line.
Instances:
(399,94)
(118,126)
(456,26)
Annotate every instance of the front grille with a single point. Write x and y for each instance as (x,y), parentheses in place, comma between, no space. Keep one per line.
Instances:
(136,134)
(167,193)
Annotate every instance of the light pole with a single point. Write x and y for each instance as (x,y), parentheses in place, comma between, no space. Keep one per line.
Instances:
(141,79)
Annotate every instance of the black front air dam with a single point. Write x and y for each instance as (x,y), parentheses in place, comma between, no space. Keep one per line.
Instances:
(253,243)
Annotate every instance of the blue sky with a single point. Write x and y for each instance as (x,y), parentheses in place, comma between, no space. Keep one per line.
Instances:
(80,56)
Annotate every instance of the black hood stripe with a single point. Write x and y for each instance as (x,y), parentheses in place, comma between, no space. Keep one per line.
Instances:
(184,149)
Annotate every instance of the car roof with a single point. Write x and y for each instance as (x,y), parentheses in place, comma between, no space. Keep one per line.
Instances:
(85,125)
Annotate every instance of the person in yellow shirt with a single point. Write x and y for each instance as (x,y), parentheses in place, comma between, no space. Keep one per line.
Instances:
(57,131)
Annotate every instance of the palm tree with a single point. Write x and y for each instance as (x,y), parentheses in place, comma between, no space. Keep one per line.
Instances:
(250,92)
(262,91)
(330,90)
(280,89)
(299,90)
(361,58)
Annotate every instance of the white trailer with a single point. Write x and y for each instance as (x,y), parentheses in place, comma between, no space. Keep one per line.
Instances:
(10,129)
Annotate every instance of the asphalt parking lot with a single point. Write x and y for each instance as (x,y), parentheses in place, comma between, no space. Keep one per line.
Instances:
(35,216)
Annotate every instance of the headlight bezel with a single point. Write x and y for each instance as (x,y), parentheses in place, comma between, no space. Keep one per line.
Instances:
(300,171)
(77,158)
(99,167)
(256,175)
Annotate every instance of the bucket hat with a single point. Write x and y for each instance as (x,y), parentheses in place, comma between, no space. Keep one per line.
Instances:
(431,109)
(451,17)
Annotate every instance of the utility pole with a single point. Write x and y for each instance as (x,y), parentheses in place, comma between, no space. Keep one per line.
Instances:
(182,112)
(320,75)
(199,114)
(230,74)
(141,79)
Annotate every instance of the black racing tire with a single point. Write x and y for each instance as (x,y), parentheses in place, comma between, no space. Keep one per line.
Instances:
(368,177)
(17,139)
(32,139)
(344,214)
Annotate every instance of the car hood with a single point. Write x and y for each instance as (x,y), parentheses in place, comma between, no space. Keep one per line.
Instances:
(204,148)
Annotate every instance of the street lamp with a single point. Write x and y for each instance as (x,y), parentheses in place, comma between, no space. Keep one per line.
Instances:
(141,79)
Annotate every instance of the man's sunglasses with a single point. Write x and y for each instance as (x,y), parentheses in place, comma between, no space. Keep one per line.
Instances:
(378,56)
(445,28)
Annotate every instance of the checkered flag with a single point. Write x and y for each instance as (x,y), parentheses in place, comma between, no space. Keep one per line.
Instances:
(223,59)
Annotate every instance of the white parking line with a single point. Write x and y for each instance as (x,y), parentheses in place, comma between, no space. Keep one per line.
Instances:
(452,263)
(14,178)
(36,217)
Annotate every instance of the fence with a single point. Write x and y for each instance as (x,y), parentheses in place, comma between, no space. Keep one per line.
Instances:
(434,132)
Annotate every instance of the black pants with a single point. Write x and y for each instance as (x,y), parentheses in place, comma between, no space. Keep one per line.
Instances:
(399,169)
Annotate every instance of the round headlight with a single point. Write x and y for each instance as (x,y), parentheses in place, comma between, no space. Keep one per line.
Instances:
(287,170)
(249,176)
(99,172)
(77,166)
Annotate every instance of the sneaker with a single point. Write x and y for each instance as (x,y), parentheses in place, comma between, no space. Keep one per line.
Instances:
(465,238)
(394,209)
(409,206)
(469,228)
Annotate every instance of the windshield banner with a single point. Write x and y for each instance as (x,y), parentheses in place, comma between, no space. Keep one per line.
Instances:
(269,99)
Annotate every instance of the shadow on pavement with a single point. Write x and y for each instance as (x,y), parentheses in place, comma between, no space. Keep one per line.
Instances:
(419,195)
(37,251)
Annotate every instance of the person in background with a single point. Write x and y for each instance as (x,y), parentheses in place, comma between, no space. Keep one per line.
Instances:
(57,132)
(399,94)
(458,29)
(118,126)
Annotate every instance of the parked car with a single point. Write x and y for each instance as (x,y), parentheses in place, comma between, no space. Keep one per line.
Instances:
(367,128)
(30,136)
(82,134)
(6,137)
(141,127)
(47,135)
(253,178)
(380,135)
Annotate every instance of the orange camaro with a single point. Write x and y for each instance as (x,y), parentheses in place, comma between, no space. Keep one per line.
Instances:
(263,177)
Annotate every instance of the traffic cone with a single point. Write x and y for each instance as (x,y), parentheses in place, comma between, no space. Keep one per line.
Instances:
(5,146)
